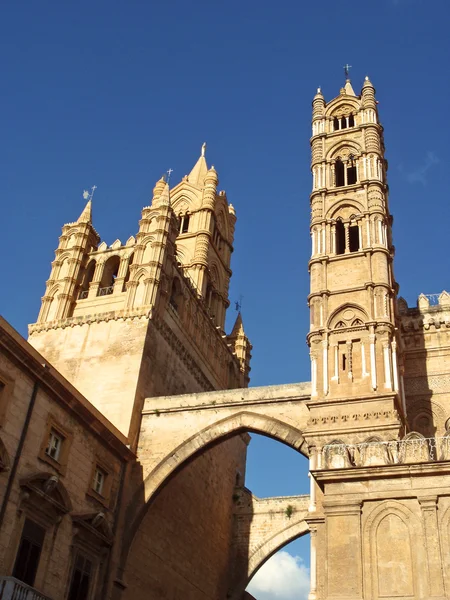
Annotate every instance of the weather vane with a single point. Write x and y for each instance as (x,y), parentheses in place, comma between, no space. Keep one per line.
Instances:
(238,303)
(346,68)
(89,195)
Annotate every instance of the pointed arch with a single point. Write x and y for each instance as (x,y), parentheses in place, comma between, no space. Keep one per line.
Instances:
(270,547)
(220,430)
(347,314)
(346,210)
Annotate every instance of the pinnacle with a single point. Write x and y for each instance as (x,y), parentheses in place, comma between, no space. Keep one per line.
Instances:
(86,215)
(198,173)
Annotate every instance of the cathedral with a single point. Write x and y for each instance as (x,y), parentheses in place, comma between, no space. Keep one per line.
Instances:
(125,417)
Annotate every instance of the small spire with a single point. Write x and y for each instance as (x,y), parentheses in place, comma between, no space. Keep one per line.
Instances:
(164,199)
(86,215)
(197,175)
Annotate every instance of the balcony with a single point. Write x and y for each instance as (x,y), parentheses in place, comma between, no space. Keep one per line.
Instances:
(13,589)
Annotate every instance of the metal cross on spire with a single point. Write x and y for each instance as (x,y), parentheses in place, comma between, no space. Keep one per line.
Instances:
(169,173)
(89,195)
(346,68)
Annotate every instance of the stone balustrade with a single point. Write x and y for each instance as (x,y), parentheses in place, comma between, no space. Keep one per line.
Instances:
(13,589)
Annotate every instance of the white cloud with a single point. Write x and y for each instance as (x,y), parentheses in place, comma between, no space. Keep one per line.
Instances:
(282,577)
(419,174)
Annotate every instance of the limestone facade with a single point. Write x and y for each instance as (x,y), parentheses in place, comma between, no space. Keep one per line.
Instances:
(138,328)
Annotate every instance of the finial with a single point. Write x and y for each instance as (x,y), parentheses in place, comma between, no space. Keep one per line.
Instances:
(89,195)
(366,78)
(169,173)
(203,148)
(346,68)
(319,90)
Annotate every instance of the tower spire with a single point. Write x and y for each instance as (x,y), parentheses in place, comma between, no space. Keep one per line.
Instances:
(197,175)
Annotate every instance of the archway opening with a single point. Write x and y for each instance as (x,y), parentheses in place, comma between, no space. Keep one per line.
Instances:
(205,504)
(274,469)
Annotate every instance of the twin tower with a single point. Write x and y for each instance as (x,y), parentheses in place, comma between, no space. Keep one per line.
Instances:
(147,317)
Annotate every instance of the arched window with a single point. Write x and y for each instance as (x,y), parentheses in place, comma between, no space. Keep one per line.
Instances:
(340,237)
(110,271)
(344,123)
(335,123)
(183,226)
(87,278)
(339,173)
(353,238)
(351,121)
(351,170)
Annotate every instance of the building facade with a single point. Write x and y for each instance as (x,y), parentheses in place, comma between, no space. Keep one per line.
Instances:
(162,425)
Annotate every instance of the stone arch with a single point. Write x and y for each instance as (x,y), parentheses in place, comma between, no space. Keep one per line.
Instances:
(347,314)
(270,547)
(196,444)
(430,410)
(345,211)
(53,304)
(342,103)
(377,568)
(343,148)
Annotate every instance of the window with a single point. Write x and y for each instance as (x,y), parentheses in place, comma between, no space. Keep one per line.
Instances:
(29,553)
(344,123)
(81,578)
(99,480)
(351,121)
(340,237)
(354,238)
(351,171)
(55,442)
(335,123)
(183,226)
(339,173)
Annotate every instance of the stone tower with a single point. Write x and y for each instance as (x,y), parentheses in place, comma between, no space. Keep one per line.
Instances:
(353,325)
(147,317)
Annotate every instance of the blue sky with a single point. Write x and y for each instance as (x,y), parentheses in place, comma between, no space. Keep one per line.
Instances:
(114,93)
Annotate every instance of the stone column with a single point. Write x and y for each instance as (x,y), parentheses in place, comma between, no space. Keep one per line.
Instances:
(432,543)
(373,364)
(325,366)
(313,375)
(387,365)
(312,483)
(333,239)
(394,365)
(347,237)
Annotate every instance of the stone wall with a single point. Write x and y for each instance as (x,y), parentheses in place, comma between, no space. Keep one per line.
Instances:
(182,548)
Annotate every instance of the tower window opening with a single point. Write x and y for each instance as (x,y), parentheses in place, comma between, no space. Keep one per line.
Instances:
(344,362)
(339,173)
(184,224)
(351,121)
(335,124)
(353,238)
(340,238)
(110,272)
(344,123)
(351,175)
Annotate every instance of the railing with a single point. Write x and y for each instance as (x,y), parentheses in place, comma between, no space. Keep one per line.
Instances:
(106,291)
(415,449)
(84,294)
(13,589)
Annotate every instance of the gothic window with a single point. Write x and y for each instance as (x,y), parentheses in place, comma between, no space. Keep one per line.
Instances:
(343,123)
(81,578)
(29,553)
(335,123)
(339,173)
(353,238)
(340,237)
(87,278)
(110,271)
(184,223)
(351,171)
(351,121)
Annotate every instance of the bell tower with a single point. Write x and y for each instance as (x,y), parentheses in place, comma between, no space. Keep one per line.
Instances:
(352,338)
